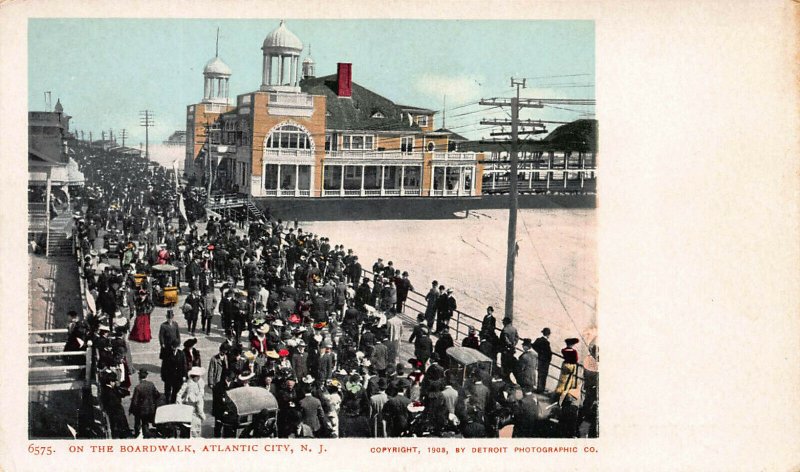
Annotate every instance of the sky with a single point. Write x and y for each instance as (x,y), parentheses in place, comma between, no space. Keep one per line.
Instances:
(106,70)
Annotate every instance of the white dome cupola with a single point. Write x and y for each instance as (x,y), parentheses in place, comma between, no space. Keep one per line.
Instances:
(281,67)
(216,74)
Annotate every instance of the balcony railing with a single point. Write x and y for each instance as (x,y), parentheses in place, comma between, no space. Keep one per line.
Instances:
(277,153)
(373,155)
(455,156)
(287,193)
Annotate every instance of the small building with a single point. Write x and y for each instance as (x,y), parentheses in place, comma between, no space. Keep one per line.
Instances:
(51,172)
(563,162)
(300,135)
(177,138)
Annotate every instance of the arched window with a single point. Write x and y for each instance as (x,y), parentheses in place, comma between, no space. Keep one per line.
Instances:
(288,137)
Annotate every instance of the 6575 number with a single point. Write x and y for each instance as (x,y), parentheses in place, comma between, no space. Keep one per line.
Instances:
(40,450)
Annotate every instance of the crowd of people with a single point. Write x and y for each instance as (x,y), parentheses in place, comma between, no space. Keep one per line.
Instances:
(301,319)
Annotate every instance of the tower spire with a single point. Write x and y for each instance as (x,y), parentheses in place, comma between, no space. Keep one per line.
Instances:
(216,51)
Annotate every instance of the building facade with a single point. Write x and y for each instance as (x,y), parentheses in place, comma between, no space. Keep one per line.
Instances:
(300,135)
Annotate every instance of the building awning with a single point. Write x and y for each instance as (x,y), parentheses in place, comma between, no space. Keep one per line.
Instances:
(59,175)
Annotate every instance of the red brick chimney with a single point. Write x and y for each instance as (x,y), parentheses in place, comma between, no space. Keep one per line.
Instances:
(344,71)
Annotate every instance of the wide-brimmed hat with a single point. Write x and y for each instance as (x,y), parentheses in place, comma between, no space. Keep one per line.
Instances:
(572,341)
(273,355)
(308,379)
(263,329)
(246,375)
(334,383)
(249,355)
(278,323)
(190,342)
(196,371)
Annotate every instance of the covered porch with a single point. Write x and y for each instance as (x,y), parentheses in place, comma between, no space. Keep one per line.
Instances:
(372,180)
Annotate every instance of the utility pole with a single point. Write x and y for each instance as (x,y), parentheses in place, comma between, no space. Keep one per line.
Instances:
(146,120)
(123,135)
(208,160)
(111,135)
(515,105)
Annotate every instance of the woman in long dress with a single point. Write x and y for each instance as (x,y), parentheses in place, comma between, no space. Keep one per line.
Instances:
(141,326)
(191,393)
(568,380)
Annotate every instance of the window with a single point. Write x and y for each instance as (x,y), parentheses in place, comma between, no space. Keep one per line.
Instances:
(430,147)
(214,137)
(407,144)
(422,120)
(358,142)
(378,114)
(288,137)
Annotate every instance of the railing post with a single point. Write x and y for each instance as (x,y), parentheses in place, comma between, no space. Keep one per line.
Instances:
(88,359)
(458,323)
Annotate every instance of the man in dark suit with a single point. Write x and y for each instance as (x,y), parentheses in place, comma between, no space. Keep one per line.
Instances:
(143,405)
(76,334)
(481,395)
(527,364)
(542,348)
(173,371)
(525,416)
(168,333)
(355,271)
(379,357)
(395,411)
(327,362)
(313,415)
(299,360)
(403,287)
(218,405)
(508,346)
(423,346)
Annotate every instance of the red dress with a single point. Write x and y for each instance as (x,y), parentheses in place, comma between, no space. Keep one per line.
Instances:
(141,326)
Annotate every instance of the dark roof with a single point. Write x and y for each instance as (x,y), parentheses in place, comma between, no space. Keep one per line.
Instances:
(416,109)
(355,112)
(580,135)
(453,136)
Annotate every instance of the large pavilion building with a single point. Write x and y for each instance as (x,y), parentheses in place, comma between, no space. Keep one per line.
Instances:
(300,135)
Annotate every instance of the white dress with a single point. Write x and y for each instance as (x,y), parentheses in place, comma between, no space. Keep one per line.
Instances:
(191,393)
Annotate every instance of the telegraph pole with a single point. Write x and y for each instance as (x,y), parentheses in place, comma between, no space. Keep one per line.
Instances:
(146,120)
(123,135)
(513,197)
(207,145)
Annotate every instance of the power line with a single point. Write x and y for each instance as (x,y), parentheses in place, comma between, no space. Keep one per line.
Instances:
(557,76)
(567,109)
